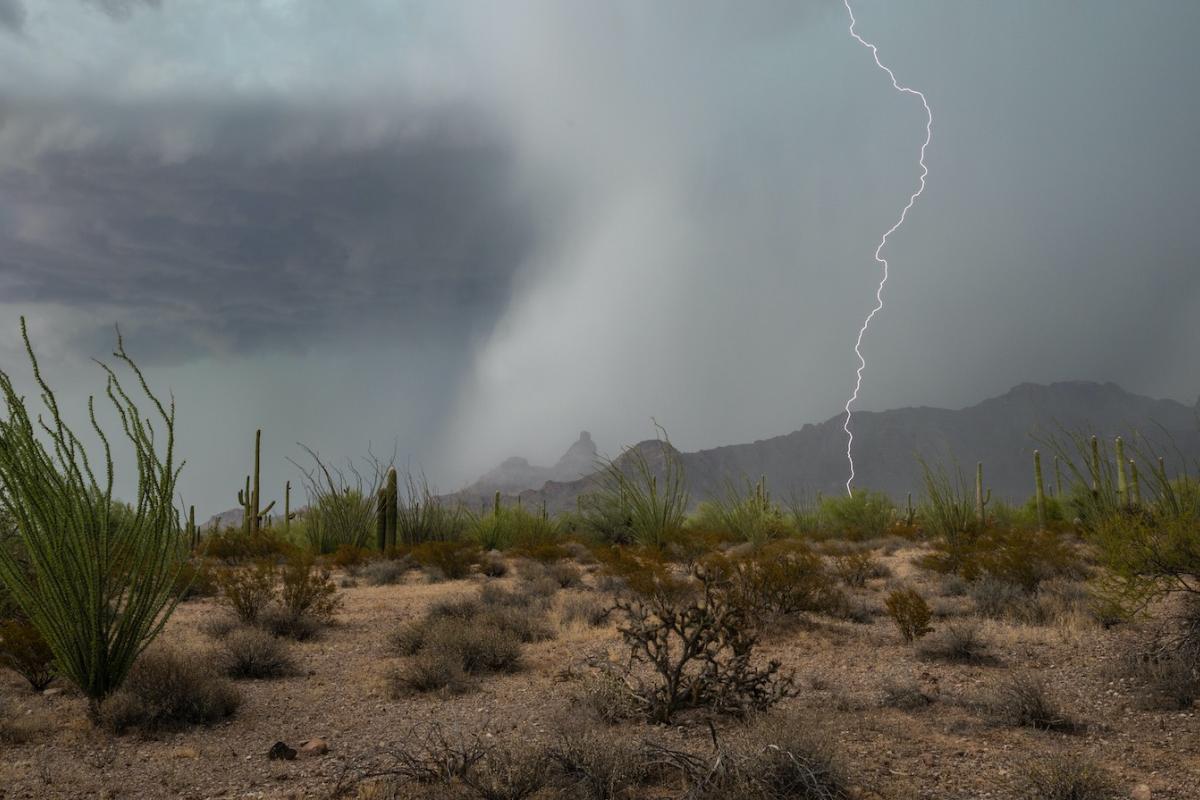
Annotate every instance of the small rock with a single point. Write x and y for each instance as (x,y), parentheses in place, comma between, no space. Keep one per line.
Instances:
(1141,792)
(280,750)
(53,691)
(314,747)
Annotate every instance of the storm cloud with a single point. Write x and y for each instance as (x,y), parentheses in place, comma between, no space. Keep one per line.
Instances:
(473,229)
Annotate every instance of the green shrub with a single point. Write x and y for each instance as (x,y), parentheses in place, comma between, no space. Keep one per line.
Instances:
(98,579)
(235,545)
(422,516)
(635,498)
(248,590)
(166,690)
(857,516)
(512,528)
(781,579)
(745,512)
(306,589)
(910,612)
(453,559)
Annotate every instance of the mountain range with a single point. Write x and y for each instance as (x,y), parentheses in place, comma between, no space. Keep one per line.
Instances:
(1001,432)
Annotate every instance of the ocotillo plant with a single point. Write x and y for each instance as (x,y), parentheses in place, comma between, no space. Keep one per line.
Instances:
(391,498)
(96,578)
(1122,486)
(981,500)
(1039,490)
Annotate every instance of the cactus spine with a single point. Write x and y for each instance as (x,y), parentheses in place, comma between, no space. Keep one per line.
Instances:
(1122,485)
(981,500)
(1039,489)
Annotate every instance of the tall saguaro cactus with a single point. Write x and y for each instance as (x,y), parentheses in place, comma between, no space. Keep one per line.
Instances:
(249,498)
(391,511)
(1134,486)
(1039,490)
(1095,467)
(981,500)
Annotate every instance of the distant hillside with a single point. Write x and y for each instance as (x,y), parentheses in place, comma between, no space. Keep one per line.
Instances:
(1000,431)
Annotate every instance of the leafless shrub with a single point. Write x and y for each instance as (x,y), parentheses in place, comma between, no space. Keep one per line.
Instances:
(906,695)
(509,773)
(166,690)
(585,608)
(960,642)
(1065,777)
(599,764)
(251,653)
(1023,700)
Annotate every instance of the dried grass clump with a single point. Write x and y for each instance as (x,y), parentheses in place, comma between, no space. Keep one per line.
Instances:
(1065,777)
(1022,700)
(386,572)
(906,695)
(166,690)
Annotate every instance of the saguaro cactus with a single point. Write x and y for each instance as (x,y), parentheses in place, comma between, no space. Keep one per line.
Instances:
(1095,467)
(910,513)
(1057,478)
(1039,489)
(1122,485)
(496,505)
(193,534)
(381,519)
(391,511)
(981,500)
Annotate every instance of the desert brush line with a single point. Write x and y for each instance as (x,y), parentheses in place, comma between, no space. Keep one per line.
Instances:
(862,362)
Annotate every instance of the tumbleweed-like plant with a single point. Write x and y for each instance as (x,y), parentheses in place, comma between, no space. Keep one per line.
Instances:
(96,578)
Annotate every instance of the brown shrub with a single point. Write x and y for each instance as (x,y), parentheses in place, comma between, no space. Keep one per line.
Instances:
(454,560)
(585,608)
(251,653)
(167,690)
(431,671)
(1066,777)
(1022,700)
(960,642)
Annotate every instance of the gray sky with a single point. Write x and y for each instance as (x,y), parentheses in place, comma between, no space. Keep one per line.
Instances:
(470,229)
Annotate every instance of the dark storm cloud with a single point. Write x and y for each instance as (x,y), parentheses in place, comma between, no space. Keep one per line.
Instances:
(269,233)
(12,15)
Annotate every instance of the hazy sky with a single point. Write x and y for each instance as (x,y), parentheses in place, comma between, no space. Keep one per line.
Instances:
(469,229)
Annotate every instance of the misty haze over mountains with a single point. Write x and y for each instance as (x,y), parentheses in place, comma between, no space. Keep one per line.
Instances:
(1002,432)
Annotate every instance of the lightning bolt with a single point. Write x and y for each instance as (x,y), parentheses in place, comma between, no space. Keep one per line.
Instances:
(862,362)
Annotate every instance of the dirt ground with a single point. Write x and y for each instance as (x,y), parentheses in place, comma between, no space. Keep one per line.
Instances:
(948,750)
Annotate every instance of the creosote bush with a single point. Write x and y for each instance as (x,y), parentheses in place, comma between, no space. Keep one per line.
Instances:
(23,650)
(453,560)
(166,690)
(960,642)
(857,516)
(910,612)
(248,590)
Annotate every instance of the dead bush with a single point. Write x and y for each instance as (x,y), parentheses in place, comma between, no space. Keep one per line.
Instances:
(855,567)
(254,654)
(219,626)
(607,697)
(23,650)
(1066,777)
(910,612)
(1022,700)
(599,763)
(168,690)
(509,773)
(565,574)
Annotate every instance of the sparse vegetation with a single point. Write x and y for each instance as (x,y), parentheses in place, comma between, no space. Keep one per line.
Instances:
(166,690)
(910,612)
